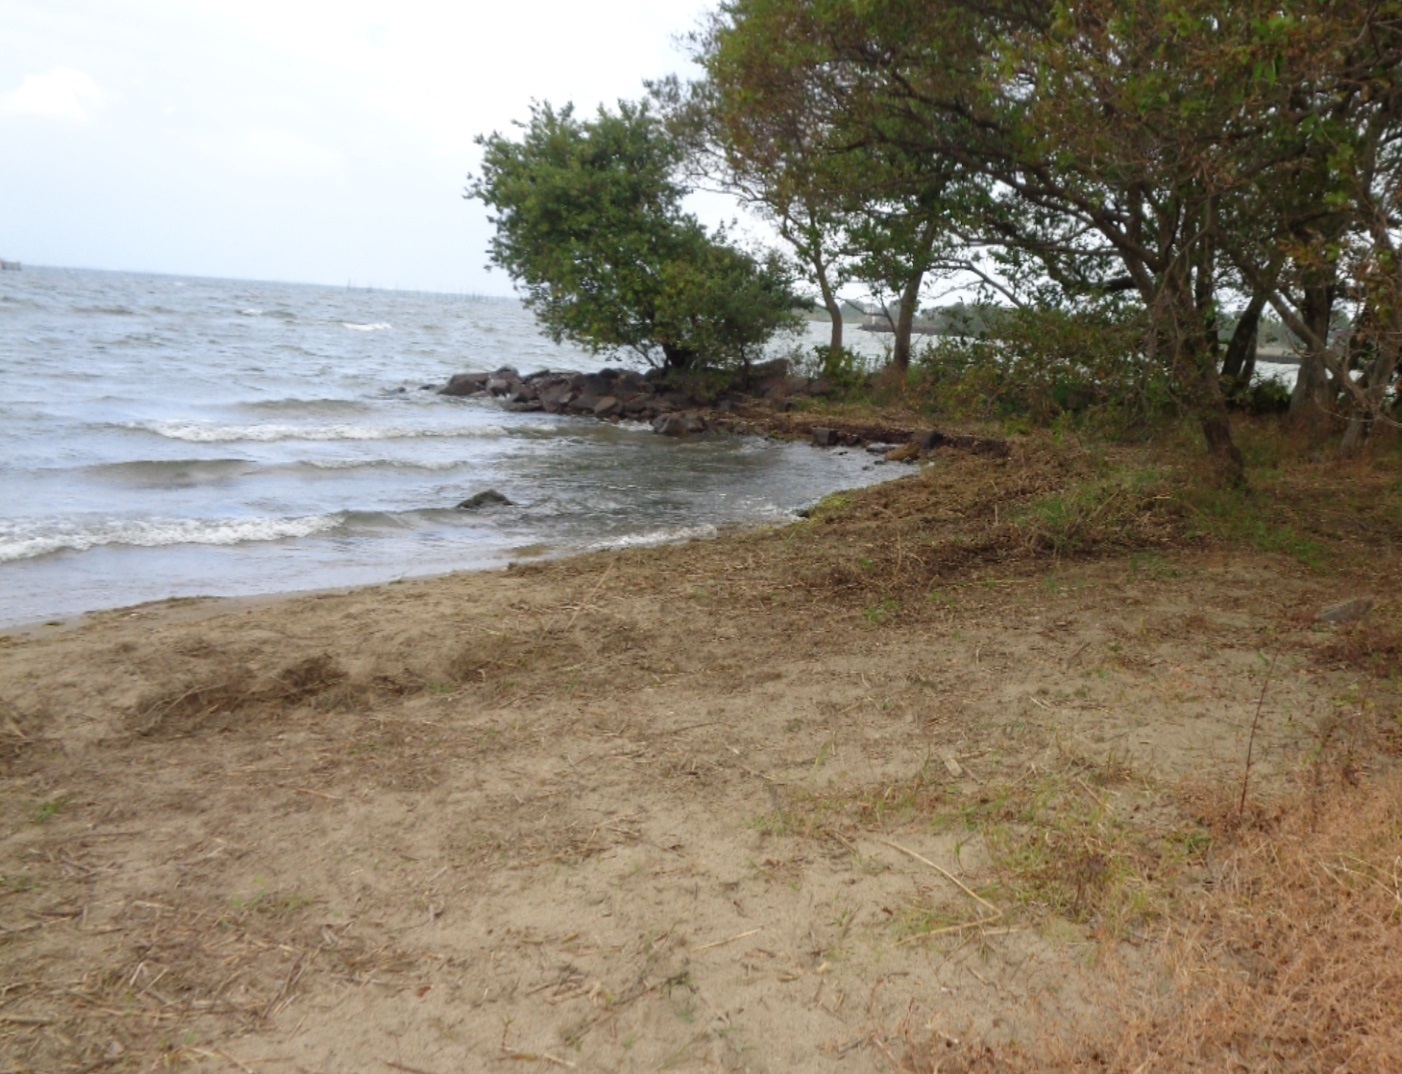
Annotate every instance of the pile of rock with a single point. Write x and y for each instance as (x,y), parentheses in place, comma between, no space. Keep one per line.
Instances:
(626,395)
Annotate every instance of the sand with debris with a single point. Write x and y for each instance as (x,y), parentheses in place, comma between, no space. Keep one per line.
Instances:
(891,789)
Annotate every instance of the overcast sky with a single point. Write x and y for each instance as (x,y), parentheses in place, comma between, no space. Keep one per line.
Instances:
(290,139)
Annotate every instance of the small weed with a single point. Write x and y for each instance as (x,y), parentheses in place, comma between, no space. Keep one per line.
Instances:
(1152,565)
(881,612)
(272,903)
(46,811)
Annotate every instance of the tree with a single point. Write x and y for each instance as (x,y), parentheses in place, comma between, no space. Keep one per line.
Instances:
(589,222)
(765,160)
(1085,124)
(849,205)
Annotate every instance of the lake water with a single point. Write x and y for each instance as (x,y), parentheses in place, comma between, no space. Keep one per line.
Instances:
(165,436)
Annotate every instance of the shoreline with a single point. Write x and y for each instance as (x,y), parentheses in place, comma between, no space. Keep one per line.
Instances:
(702,799)
(767,408)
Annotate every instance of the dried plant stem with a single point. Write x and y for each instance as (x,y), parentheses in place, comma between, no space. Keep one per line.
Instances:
(1251,739)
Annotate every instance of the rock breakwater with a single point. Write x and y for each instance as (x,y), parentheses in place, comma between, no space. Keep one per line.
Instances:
(766,402)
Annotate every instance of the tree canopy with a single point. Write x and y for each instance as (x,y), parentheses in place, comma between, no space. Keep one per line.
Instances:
(589,223)
(1195,155)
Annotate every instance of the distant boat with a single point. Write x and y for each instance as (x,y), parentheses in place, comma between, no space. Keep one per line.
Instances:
(12,266)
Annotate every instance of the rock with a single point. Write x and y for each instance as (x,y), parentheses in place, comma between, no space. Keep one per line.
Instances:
(904,453)
(607,407)
(786,388)
(930,439)
(679,424)
(775,367)
(824,437)
(499,385)
(1350,611)
(583,403)
(556,397)
(464,384)
(485,498)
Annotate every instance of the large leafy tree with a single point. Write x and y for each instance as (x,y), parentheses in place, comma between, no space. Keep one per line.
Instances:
(786,135)
(589,223)
(769,160)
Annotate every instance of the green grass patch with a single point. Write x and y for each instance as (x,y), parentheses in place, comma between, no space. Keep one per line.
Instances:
(1249,518)
(1121,507)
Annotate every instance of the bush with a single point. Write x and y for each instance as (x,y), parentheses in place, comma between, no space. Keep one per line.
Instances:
(1047,364)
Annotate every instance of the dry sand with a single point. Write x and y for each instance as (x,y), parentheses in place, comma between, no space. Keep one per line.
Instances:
(872,792)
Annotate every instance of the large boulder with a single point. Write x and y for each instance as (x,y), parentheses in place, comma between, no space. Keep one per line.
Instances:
(556,397)
(464,384)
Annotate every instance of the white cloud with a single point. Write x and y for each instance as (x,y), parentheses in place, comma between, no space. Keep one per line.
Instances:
(271,153)
(63,94)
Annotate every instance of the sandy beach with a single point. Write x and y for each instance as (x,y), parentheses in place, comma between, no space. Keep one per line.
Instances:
(903,786)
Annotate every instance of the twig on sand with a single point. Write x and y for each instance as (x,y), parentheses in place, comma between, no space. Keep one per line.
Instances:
(970,892)
(732,939)
(1251,739)
(536,1057)
(592,593)
(993,914)
(224,1056)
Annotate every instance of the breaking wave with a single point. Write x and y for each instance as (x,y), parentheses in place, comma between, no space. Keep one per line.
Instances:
(30,540)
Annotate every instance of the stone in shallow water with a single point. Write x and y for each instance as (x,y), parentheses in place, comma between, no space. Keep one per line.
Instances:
(485,498)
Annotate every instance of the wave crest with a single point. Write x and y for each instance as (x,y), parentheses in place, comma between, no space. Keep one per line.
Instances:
(16,544)
(224,434)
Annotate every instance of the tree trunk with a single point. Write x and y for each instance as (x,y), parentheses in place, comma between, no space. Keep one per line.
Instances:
(834,309)
(1309,402)
(905,323)
(1195,366)
(900,354)
(1216,425)
(1377,379)
(1240,361)
(678,357)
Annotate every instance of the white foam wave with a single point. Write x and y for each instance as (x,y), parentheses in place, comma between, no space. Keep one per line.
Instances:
(378,326)
(398,464)
(16,543)
(251,313)
(655,537)
(223,434)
